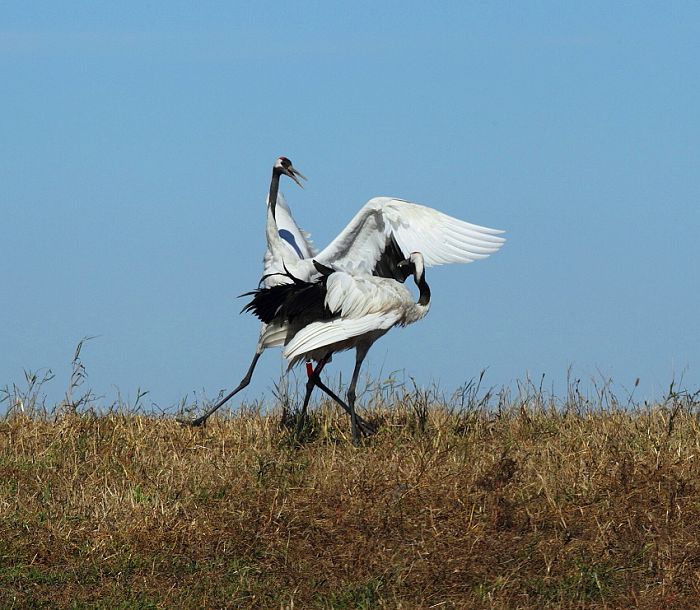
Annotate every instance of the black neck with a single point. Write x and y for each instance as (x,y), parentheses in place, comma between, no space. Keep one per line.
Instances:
(424,298)
(274,189)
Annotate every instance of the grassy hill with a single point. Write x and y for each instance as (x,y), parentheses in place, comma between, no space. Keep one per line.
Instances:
(515,505)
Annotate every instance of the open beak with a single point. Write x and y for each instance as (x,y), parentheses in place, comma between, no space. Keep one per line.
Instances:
(293,173)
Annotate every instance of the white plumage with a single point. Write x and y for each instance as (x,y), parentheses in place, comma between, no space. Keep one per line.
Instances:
(320,337)
(364,304)
(359,246)
(290,243)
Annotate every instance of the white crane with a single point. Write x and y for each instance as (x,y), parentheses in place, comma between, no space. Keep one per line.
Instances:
(290,243)
(286,245)
(382,234)
(340,311)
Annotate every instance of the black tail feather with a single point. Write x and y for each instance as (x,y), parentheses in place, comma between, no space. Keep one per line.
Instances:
(289,302)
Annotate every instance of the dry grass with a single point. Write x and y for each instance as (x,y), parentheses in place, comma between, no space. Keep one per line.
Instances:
(520,506)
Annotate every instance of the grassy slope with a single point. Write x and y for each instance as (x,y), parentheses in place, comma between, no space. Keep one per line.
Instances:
(529,508)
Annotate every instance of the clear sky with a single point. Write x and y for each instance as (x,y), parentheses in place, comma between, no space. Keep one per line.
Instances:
(137,140)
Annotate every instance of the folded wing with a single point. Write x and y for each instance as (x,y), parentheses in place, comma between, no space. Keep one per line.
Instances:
(324,334)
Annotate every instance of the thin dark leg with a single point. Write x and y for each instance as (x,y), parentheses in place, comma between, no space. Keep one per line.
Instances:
(315,380)
(244,382)
(365,427)
(310,383)
(361,352)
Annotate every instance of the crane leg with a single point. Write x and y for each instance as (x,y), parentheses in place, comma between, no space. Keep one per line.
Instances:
(200,421)
(365,427)
(361,352)
(313,375)
(315,380)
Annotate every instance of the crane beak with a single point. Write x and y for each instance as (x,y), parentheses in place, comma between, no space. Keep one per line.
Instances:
(293,173)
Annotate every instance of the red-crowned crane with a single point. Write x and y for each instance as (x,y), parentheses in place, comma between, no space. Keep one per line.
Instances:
(340,311)
(290,243)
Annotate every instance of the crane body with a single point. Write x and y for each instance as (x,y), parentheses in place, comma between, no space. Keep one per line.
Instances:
(339,311)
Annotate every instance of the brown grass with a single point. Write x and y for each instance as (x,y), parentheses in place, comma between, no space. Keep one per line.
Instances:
(522,507)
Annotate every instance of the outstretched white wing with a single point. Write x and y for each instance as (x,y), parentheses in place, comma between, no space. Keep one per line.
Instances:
(415,228)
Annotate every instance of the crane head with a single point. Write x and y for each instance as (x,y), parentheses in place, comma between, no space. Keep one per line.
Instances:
(416,264)
(284,166)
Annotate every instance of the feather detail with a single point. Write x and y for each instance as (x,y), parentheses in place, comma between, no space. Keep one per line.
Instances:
(412,227)
(325,334)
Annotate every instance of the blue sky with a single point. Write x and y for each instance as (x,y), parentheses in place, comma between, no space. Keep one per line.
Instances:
(137,142)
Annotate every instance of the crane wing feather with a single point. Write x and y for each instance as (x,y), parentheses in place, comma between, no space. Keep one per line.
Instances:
(354,296)
(440,238)
(323,334)
(287,245)
(297,239)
